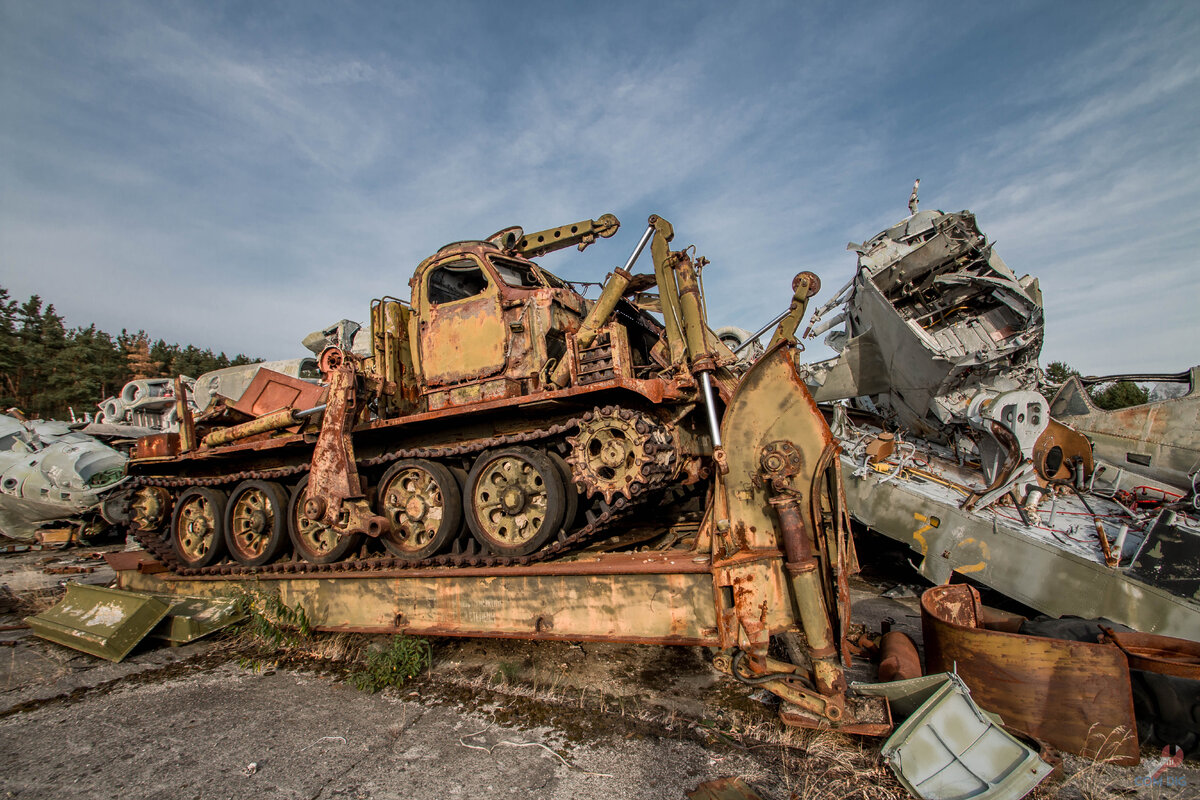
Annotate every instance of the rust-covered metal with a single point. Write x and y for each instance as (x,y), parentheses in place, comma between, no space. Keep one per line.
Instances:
(898,658)
(272,391)
(496,423)
(1074,695)
(1165,655)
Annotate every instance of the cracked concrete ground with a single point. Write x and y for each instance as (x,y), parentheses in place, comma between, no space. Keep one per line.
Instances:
(494,718)
(228,732)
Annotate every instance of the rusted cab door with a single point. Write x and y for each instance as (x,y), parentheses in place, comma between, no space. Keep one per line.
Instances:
(462,330)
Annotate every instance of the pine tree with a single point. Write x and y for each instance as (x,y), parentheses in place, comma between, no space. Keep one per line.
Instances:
(46,370)
(10,350)
(1121,394)
(138,356)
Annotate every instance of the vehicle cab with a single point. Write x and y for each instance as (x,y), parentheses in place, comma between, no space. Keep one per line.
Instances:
(486,324)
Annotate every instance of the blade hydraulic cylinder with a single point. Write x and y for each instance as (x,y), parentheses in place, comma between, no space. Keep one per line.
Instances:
(806,587)
(668,291)
(805,285)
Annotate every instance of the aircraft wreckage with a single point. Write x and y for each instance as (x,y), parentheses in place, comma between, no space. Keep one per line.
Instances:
(953,445)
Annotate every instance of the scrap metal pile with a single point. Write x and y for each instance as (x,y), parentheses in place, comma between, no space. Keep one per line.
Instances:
(499,456)
(952,444)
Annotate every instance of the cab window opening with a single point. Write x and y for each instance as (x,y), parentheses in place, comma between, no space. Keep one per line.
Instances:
(456,280)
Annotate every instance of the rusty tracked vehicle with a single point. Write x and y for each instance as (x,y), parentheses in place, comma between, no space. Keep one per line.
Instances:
(500,442)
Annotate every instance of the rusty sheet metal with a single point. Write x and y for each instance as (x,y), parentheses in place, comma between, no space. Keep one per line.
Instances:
(103,622)
(271,391)
(1073,695)
(724,789)
(139,560)
(1165,655)
(157,445)
(463,340)
(650,608)
(1057,448)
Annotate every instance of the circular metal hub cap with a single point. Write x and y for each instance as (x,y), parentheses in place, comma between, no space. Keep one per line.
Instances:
(197,521)
(415,506)
(252,520)
(510,500)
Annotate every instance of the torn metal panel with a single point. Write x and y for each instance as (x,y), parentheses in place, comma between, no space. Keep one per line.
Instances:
(107,623)
(1074,695)
(935,306)
(1055,564)
(1164,655)
(1159,439)
(949,748)
(271,391)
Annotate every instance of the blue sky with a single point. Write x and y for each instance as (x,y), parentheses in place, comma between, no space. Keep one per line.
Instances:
(235,175)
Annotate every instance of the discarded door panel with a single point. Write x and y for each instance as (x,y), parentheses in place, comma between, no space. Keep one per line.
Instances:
(190,618)
(1073,695)
(949,748)
(103,622)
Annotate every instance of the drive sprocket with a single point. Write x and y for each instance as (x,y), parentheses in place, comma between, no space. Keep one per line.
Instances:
(619,451)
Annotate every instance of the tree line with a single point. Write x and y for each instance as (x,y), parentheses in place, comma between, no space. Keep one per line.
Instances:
(47,370)
(1109,396)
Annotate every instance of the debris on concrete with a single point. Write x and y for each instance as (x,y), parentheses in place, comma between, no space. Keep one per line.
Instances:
(106,623)
(949,748)
(1075,695)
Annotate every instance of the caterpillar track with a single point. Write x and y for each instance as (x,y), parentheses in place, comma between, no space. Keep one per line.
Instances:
(463,551)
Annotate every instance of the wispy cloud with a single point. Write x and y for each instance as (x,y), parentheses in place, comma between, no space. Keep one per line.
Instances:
(237,176)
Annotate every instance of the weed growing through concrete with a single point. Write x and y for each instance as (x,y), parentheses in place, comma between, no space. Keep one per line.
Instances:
(403,659)
(271,621)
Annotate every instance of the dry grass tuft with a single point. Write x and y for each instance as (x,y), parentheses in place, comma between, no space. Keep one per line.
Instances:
(1094,779)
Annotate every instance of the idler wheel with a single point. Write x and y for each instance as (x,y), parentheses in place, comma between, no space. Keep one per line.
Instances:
(256,529)
(313,540)
(198,527)
(422,501)
(515,500)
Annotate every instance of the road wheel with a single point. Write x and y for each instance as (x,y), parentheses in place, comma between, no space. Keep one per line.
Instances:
(515,500)
(570,490)
(422,501)
(198,527)
(256,529)
(313,540)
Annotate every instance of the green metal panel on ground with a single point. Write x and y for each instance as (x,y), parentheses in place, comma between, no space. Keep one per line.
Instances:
(103,622)
(189,618)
